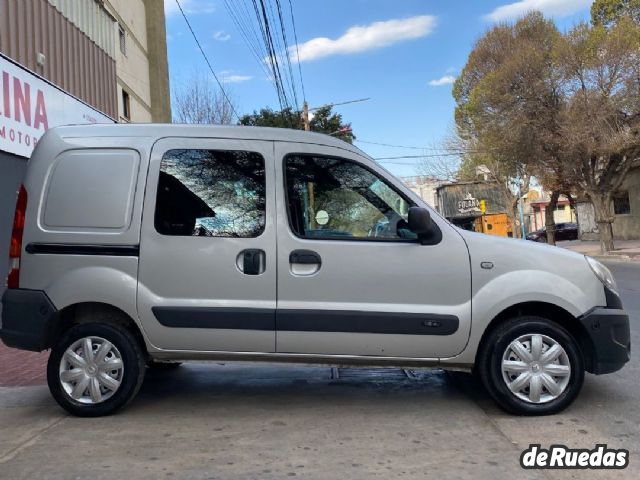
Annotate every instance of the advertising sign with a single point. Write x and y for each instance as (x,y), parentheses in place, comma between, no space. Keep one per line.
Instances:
(29,106)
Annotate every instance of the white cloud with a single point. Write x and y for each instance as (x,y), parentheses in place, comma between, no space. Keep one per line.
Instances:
(557,8)
(235,78)
(221,36)
(368,37)
(446,80)
(193,7)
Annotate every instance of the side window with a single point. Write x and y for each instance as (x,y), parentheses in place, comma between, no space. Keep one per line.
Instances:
(333,198)
(211,193)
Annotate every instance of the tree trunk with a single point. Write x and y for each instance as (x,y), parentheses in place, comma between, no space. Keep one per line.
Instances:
(515,231)
(550,222)
(572,205)
(602,207)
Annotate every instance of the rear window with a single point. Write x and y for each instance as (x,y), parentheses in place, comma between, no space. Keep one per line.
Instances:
(211,193)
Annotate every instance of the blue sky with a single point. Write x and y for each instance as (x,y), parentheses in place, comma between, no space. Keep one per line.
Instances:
(404,54)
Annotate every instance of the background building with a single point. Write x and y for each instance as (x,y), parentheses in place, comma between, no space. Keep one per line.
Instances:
(563,212)
(625,209)
(477,206)
(74,61)
(425,187)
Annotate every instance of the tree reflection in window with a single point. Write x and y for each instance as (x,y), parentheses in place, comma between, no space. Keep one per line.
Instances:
(211,193)
(352,201)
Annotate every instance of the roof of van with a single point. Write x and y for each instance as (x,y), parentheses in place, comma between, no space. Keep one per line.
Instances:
(160,130)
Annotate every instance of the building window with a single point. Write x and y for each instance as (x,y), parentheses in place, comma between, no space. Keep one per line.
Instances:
(122,35)
(126,105)
(211,193)
(621,205)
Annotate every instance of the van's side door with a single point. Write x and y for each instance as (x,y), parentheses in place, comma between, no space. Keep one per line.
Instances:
(352,278)
(207,274)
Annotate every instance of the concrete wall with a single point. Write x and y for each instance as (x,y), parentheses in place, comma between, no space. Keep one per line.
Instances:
(12,170)
(142,71)
(627,227)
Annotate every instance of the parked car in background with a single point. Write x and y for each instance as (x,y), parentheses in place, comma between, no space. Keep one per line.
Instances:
(564,231)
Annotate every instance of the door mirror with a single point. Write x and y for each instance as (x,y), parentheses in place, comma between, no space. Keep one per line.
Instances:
(420,221)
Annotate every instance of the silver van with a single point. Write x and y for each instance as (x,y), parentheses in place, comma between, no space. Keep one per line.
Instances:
(140,246)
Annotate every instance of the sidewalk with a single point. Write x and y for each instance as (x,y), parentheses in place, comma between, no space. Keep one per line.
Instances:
(624,249)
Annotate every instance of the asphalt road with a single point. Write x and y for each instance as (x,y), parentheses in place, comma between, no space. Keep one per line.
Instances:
(240,422)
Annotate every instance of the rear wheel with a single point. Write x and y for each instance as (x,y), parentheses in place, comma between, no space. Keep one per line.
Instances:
(95,369)
(531,366)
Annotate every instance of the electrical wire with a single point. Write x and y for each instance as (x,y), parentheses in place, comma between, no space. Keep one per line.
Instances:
(295,37)
(206,59)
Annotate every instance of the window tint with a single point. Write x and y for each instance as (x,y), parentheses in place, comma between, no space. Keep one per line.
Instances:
(211,193)
(336,198)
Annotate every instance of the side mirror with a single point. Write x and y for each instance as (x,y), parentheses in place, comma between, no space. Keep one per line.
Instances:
(420,221)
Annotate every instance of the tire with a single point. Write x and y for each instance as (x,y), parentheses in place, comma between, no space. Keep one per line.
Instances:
(116,387)
(566,371)
(160,366)
(541,239)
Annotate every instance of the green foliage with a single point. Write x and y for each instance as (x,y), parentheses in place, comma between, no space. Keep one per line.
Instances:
(606,13)
(267,117)
(324,121)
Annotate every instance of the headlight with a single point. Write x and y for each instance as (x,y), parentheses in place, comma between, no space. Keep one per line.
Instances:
(603,274)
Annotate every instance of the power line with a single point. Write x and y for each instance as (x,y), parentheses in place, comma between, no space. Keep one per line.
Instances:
(264,29)
(287,53)
(295,37)
(340,103)
(435,155)
(399,146)
(206,59)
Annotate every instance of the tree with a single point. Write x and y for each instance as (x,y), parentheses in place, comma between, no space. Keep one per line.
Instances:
(562,108)
(324,121)
(606,13)
(508,106)
(601,124)
(266,117)
(198,101)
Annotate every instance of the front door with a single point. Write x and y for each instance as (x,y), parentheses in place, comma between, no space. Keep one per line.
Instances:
(352,278)
(207,274)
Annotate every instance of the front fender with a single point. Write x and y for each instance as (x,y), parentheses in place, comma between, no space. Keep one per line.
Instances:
(522,286)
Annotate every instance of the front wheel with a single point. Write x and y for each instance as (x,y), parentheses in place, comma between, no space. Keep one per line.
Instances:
(95,369)
(531,366)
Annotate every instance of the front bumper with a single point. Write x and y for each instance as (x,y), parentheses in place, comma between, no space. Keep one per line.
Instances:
(29,320)
(610,336)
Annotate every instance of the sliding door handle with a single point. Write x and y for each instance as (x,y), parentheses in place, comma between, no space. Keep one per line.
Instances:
(251,261)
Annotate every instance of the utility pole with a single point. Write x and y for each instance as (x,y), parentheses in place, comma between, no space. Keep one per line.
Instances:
(305,116)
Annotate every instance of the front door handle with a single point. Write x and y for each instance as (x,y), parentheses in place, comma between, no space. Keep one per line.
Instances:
(252,261)
(305,257)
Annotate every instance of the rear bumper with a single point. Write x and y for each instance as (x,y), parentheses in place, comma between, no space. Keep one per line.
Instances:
(610,336)
(29,320)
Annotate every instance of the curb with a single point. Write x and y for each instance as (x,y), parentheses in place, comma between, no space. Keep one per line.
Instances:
(618,257)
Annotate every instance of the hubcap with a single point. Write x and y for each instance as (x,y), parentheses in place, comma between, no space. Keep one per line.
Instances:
(91,370)
(536,368)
